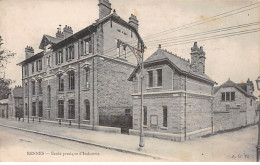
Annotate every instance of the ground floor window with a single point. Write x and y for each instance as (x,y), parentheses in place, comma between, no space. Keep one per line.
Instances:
(40,110)
(145,115)
(34,109)
(61,109)
(87,106)
(71,109)
(165,116)
(26,109)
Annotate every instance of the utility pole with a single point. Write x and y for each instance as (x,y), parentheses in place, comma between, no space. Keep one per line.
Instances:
(141,143)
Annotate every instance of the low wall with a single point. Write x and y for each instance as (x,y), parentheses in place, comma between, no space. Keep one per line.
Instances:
(229,120)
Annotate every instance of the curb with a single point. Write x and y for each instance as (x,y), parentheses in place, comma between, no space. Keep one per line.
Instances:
(85,142)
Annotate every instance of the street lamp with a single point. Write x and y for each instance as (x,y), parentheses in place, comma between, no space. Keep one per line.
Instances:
(258,142)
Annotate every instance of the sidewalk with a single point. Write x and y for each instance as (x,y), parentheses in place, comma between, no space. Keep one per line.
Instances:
(222,147)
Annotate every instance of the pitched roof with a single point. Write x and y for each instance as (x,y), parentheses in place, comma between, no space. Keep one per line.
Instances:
(230,83)
(49,40)
(90,29)
(34,57)
(179,63)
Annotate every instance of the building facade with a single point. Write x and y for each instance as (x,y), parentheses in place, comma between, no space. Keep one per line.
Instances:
(81,78)
(4,108)
(234,105)
(15,102)
(177,96)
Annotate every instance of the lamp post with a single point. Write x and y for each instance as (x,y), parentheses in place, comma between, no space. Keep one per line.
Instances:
(258,142)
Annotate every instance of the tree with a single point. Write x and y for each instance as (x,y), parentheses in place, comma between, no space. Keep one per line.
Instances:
(5,55)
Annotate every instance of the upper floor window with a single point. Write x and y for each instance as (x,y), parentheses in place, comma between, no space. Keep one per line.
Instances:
(40,86)
(251,102)
(71,53)
(159,77)
(150,78)
(39,65)
(33,87)
(59,57)
(87,71)
(71,80)
(228,96)
(87,46)
(26,89)
(32,67)
(61,84)
(124,51)
(25,70)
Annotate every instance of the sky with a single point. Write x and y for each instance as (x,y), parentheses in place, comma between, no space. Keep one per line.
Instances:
(24,22)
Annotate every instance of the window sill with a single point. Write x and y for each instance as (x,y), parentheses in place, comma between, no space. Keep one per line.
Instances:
(71,91)
(86,89)
(164,128)
(86,120)
(70,119)
(60,92)
(157,87)
(145,126)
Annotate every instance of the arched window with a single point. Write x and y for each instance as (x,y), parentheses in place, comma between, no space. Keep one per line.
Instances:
(71,80)
(87,78)
(87,107)
(49,95)
(61,84)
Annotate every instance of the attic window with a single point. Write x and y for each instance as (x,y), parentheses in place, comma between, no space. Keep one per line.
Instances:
(228,96)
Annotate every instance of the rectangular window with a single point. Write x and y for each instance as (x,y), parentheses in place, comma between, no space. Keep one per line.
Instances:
(150,78)
(61,84)
(61,109)
(71,52)
(227,96)
(232,96)
(165,116)
(251,102)
(25,70)
(127,112)
(34,109)
(159,77)
(223,96)
(40,110)
(32,67)
(71,114)
(40,65)
(145,115)
(26,109)
(40,86)
(60,57)
(71,80)
(33,88)
(86,46)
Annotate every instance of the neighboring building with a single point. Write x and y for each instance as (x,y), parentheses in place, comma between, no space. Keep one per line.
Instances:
(15,103)
(4,108)
(177,96)
(234,105)
(83,76)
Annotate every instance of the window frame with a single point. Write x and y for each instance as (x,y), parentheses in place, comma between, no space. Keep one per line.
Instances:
(159,78)
(150,78)
(165,116)
(145,121)
(61,109)
(71,76)
(71,109)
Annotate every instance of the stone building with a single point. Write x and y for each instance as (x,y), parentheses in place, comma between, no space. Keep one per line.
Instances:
(81,78)
(4,108)
(234,105)
(15,102)
(177,96)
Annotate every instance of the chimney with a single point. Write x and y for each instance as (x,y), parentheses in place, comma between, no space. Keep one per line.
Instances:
(59,34)
(67,31)
(104,8)
(133,21)
(29,52)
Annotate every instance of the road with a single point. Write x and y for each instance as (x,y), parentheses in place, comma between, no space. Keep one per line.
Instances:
(18,145)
